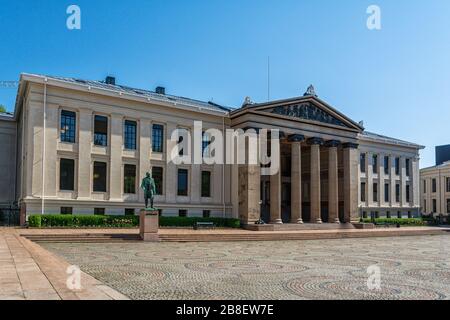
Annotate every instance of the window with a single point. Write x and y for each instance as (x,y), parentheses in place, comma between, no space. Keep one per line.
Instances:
(386,192)
(182,182)
(129,179)
(407,193)
(434,206)
(206,213)
(66,210)
(433,186)
(68,126)
(397,166)
(363,192)
(399,214)
(397,192)
(424,186)
(409,215)
(364,214)
(375,192)
(386,165)
(362,162)
(101,131)
(67,174)
(157,174)
(129,212)
(206,184)
(388,214)
(448,184)
(424,209)
(448,205)
(375,163)
(99,177)
(206,141)
(99,211)
(157,138)
(182,213)
(130,134)
(407,165)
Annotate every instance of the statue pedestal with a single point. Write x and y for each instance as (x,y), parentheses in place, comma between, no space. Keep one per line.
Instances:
(149,225)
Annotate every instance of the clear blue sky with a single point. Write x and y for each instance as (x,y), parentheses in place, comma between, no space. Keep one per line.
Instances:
(397,79)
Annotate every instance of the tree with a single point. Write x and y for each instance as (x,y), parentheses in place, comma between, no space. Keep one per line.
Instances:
(2,108)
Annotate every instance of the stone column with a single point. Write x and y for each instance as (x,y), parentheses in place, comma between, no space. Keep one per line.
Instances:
(351,182)
(249,190)
(275,192)
(84,154)
(296,178)
(333,185)
(315,180)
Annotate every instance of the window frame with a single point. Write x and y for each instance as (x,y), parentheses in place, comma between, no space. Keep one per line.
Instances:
(130,184)
(105,141)
(159,138)
(386,164)
(209,193)
(362,162)
(94,189)
(73,172)
(128,123)
(375,164)
(186,194)
(159,193)
(363,192)
(74,124)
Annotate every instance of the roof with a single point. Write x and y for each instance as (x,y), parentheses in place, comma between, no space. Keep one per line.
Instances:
(440,166)
(6,116)
(143,93)
(366,135)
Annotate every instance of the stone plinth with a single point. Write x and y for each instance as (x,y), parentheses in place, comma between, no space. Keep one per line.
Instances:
(149,225)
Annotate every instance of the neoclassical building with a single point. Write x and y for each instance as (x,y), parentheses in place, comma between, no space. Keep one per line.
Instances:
(435,189)
(82,147)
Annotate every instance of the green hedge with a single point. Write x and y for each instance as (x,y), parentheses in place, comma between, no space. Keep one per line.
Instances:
(189,222)
(402,222)
(77,221)
(74,221)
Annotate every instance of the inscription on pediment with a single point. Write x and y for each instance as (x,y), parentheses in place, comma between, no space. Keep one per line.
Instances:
(307,111)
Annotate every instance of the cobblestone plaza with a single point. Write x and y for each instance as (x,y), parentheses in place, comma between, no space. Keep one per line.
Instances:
(411,268)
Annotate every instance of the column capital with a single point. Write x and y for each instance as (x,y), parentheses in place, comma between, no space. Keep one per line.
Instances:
(315,141)
(350,145)
(296,138)
(333,143)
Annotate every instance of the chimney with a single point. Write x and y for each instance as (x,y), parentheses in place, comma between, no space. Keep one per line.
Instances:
(160,90)
(110,80)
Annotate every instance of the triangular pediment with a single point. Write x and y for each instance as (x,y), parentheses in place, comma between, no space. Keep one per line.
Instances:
(310,110)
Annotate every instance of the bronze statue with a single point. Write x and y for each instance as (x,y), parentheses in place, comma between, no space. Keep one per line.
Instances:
(149,187)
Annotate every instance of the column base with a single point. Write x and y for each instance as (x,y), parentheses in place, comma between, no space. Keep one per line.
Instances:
(297,221)
(277,221)
(319,221)
(336,221)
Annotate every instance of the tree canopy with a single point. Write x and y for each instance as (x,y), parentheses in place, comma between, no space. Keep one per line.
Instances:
(2,108)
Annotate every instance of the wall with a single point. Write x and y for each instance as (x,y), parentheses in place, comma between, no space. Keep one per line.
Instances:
(7,160)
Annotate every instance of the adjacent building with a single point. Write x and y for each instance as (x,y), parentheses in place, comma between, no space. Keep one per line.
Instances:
(82,147)
(435,190)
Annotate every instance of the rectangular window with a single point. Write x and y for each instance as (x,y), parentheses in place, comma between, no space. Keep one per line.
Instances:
(129,212)
(206,141)
(375,192)
(448,184)
(157,174)
(66,210)
(363,192)
(433,186)
(397,192)
(386,192)
(206,213)
(68,126)
(434,206)
(424,209)
(206,184)
(101,131)
(99,211)
(375,164)
(157,138)
(129,179)
(67,174)
(424,186)
(362,162)
(407,193)
(448,205)
(100,177)
(397,166)
(388,214)
(182,182)
(407,165)
(386,165)
(130,134)
(182,213)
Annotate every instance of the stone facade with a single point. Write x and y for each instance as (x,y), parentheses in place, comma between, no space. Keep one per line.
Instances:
(435,190)
(8,161)
(319,182)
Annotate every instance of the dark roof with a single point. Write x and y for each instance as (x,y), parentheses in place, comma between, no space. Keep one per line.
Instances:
(144,93)
(381,138)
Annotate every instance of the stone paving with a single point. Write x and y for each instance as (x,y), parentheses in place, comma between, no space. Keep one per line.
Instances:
(28,272)
(411,268)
